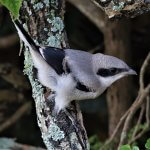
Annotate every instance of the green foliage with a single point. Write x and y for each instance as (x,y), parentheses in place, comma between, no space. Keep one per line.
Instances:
(128,147)
(135,148)
(12,5)
(139,127)
(95,143)
(147,145)
(125,147)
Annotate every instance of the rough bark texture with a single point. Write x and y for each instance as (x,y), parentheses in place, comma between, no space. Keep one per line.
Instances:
(44,21)
(117,44)
(119,8)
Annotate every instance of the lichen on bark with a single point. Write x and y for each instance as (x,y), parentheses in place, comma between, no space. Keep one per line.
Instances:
(44,22)
(120,8)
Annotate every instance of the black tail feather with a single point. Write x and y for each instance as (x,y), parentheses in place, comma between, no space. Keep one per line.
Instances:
(26,35)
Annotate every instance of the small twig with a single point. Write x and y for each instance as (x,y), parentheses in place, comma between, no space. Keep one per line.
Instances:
(133,109)
(117,128)
(119,124)
(140,134)
(139,100)
(148,110)
(142,71)
(18,114)
(138,122)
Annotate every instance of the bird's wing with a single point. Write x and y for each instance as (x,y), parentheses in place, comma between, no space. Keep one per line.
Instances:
(80,64)
(77,62)
(54,57)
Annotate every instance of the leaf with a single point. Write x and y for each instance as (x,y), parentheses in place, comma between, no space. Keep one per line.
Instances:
(12,5)
(125,147)
(135,148)
(147,145)
(95,144)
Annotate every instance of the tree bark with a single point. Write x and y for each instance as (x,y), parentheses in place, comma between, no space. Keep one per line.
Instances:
(117,43)
(119,8)
(44,21)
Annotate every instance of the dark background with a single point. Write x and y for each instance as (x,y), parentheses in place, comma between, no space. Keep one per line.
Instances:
(82,34)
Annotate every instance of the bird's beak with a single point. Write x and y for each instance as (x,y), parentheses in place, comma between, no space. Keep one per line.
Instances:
(132,72)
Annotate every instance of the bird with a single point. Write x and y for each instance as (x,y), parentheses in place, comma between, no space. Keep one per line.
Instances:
(73,74)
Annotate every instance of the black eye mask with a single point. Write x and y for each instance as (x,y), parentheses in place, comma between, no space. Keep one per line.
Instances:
(109,72)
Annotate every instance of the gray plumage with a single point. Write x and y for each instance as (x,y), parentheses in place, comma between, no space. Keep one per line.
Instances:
(73,74)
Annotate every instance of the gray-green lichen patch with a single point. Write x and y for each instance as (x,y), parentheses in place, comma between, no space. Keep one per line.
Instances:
(53,40)
(47,3)
(118,7)
(38,6)
(57,27)
(75,141)
(28,70)
(54,132)
(57,24)
(28,64)
(48,143)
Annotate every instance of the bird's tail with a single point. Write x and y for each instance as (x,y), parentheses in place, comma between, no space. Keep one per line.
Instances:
(24,36)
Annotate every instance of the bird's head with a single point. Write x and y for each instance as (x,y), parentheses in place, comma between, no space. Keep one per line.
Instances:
(109,69)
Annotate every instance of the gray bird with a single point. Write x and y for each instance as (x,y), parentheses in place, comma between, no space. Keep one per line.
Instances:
(73,74)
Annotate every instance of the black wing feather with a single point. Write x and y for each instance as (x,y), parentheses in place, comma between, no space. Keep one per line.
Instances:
(54,57)
(26,35)
(82,87)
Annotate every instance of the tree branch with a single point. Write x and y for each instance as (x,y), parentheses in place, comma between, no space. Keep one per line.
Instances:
(142,72)
(120,8)
(44,22)
(142,95)
(138,122)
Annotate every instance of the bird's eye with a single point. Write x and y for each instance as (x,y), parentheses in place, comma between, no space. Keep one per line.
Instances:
(107,72)
(113,70)
(103,72)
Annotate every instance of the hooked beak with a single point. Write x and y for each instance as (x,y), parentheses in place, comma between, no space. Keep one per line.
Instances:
(131,72)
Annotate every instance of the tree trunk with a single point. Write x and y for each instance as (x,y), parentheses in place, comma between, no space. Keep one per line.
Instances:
(44,21)
(117,43)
